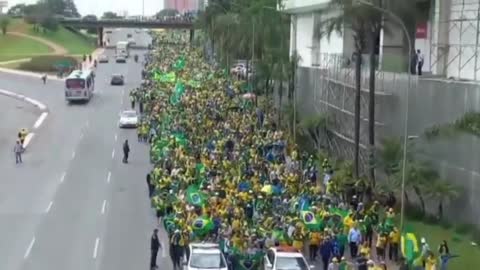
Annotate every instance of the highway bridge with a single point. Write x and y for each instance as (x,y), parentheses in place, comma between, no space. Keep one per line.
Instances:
(125,23)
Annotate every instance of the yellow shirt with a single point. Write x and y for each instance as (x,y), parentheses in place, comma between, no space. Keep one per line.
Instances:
(365,250)
(394,237)
(381,241)
(431,263)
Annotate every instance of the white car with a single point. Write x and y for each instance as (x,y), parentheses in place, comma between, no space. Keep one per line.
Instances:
(205,256)
(128,119)
(278,258)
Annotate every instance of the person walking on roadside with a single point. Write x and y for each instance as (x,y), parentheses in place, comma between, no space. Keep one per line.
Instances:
(150,185)
(18,149)
(44,78)
(154,247)
(126,151)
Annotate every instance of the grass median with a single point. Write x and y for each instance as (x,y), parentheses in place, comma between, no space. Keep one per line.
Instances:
(15,47)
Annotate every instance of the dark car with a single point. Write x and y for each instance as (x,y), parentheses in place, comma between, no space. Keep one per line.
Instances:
(120,59)
(117,79)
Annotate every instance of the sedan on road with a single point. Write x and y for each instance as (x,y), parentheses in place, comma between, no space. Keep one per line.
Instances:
(120,59)
(103,58)
(117,79)
(128,119)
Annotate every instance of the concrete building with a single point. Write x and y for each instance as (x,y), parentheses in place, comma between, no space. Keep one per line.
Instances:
(448,37)
(183,5)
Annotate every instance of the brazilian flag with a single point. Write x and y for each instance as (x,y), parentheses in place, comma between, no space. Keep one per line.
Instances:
(169,223)
(248,261)
(409,245)
(202,226)
(179,64)
(310,220)
(195,196)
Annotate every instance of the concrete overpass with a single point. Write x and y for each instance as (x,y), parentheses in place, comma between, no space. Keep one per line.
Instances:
(124,23)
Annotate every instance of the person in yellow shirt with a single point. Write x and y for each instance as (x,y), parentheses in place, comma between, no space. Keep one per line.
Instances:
(393,244)
(431,262)
(365,249)
(315,240)
(381,244)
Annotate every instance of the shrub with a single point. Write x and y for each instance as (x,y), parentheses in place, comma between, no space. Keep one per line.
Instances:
(464,228)
(47,63)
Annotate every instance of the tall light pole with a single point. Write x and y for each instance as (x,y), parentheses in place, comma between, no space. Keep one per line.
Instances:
(405,127)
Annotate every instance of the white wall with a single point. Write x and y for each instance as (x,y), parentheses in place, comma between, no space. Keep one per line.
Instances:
(304,38)
(296,4)
(334,44)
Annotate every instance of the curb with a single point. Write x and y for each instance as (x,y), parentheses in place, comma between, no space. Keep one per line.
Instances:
(35,103)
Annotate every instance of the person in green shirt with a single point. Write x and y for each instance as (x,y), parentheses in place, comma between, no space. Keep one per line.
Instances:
(342,242)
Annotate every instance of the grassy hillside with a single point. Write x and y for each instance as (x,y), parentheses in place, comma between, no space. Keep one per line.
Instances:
(75,43)
(14,47)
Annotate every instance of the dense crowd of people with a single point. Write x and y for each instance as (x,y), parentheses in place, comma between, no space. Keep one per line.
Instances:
(225,173)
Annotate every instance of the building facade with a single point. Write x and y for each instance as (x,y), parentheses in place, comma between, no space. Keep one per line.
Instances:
(449,40)
(183,5)
(448,37)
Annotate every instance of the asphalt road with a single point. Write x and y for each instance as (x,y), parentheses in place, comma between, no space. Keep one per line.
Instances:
(73,204)
(15,115)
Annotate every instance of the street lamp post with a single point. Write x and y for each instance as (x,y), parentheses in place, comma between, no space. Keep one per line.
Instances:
(405,128)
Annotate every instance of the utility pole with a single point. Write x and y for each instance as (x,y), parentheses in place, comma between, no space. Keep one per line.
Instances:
(143,10)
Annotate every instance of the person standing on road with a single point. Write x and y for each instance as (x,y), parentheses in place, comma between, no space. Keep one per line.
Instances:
(176,249)
(18,149)
(44,78)
(126,151)
(154,247)
(354,239)
(420,60)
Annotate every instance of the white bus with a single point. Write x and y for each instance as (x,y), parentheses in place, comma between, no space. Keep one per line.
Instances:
(79,85)
(122,49)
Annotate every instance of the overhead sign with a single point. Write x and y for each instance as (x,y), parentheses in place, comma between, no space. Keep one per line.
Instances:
(421,32)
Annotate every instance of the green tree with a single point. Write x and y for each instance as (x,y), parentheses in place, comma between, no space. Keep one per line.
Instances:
(315,127)
(109,15)
(365,24)
(17,10)
(4,22)
(166,13)
(442,191)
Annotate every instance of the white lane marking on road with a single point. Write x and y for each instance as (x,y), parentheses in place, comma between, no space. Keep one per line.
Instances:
(73,154)
(29,249)
(28,139)
(116,137)
(40,120)
(113,153)
(95,249)
(49,207)
(87,123)
(121,101)
(108,177)
(63,177)
(103,206)
(81,136)
(164,253)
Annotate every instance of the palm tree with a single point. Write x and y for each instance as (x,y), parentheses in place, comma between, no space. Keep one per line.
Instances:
(366,24)
(357,19)
(443,191)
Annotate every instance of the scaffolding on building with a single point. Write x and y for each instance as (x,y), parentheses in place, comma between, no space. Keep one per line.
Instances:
(455,39)
(329,89)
